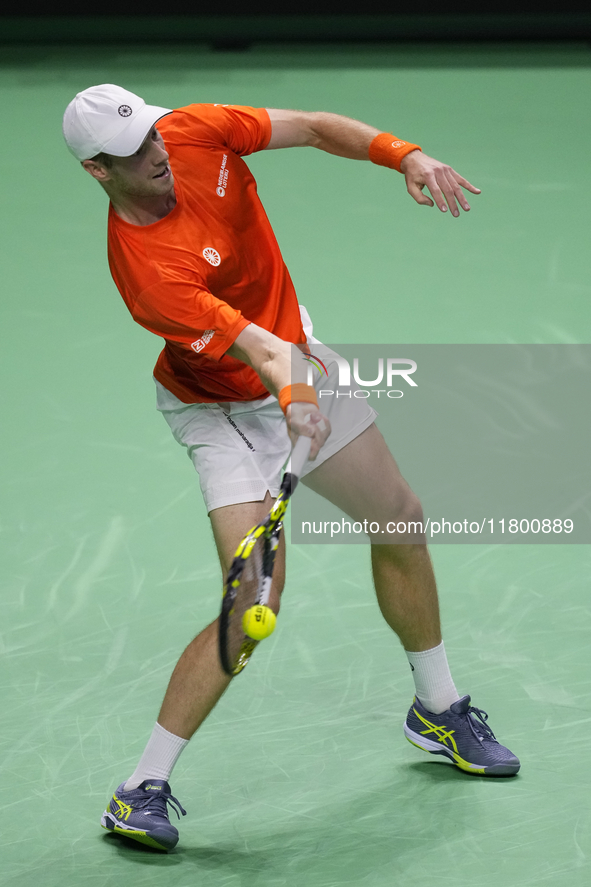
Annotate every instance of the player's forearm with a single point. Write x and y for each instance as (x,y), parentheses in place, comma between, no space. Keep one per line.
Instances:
(273,361)
(342,136)
(332,133)
(270,358)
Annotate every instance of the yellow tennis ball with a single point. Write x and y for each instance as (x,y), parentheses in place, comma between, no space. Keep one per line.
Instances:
(259,622)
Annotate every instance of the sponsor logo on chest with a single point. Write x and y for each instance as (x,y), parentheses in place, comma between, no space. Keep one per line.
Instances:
(211,255)
(222,178)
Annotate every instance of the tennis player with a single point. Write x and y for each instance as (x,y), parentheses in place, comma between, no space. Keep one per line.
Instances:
(196,262)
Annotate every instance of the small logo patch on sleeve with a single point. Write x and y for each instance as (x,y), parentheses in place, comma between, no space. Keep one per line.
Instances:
(200,344)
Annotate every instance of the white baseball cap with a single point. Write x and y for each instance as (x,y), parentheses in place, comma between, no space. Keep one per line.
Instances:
(110,119)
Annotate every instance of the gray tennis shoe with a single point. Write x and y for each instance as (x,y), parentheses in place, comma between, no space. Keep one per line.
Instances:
(462,735)
(142,814)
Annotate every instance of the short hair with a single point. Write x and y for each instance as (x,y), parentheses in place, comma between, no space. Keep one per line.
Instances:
(105,160)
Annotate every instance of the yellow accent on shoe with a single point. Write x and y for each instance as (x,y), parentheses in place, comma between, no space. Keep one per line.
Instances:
(138,835)
(124,809)
(465,765)
(460,762)
(442,733)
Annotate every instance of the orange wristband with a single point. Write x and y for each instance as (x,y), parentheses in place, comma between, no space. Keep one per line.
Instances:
(298,393)
(387,150)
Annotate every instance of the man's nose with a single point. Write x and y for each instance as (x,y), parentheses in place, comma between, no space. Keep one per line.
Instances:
(162,153)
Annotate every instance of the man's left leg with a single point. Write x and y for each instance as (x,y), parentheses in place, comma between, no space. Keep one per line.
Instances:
(364,481)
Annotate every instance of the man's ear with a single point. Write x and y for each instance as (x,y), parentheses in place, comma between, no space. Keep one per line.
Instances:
(96,170)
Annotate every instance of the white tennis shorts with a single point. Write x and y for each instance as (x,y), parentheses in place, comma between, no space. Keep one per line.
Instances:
(240,449)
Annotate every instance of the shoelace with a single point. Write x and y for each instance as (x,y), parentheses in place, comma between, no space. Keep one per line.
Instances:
(480,728)
(159,802)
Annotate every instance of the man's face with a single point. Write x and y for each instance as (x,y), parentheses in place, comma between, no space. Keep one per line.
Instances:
(144,174)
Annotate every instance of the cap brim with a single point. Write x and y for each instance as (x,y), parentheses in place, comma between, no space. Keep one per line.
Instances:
(127,142)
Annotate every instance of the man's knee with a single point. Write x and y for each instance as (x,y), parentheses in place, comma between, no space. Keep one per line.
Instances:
(412,510)
(404,522)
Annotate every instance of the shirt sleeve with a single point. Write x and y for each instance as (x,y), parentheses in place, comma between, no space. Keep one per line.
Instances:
(190,315)
(239,128)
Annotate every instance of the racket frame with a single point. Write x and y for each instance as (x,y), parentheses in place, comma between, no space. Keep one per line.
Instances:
(270,530)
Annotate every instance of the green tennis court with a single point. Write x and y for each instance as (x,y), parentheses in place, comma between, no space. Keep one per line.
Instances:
(302,774)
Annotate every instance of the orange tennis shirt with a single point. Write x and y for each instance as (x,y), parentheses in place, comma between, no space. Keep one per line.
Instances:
(210,267)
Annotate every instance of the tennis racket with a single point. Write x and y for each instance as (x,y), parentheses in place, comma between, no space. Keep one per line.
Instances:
(248,584)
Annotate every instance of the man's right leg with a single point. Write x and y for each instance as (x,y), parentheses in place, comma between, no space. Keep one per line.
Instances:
(138,808)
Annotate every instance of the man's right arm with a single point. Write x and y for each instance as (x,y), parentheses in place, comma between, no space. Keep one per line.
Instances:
(273,361)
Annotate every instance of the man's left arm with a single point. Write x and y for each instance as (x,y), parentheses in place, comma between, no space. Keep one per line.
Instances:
(351,138)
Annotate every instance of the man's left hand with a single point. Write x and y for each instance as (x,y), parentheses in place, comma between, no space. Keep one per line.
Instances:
(443,182)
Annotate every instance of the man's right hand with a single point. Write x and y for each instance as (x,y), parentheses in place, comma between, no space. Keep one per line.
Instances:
(307,420)
(272,359)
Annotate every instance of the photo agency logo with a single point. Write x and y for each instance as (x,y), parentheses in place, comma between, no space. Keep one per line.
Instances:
(388,372)
(314,362)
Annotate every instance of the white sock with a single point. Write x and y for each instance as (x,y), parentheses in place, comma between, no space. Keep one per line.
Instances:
(159,757)
(434,686)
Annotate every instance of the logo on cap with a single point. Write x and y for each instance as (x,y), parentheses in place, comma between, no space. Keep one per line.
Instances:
(124,110)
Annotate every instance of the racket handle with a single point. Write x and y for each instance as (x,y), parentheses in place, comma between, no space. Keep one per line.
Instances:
(299,454)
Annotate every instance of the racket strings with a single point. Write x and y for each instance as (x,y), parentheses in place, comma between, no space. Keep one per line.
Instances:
(247,592)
